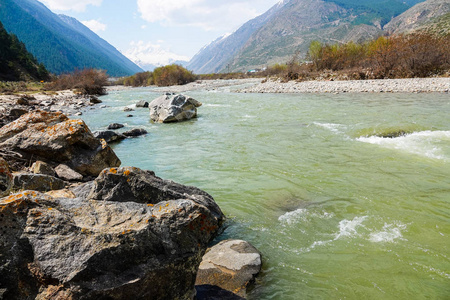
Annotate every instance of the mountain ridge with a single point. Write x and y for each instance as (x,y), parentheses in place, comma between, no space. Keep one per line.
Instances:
(62,47)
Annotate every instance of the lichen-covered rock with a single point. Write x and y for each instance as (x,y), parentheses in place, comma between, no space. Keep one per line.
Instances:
(147,245)
(50,136)
(173,108)
(230,265)
(6,178)
(37,182)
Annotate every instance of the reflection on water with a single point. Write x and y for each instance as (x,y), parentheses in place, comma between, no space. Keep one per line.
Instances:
(337,210)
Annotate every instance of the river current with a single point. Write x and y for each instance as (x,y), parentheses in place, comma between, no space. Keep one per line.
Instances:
(338,210)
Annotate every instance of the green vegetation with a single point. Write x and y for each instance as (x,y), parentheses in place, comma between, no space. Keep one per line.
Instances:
(16,63)
(87,82)
(162,76)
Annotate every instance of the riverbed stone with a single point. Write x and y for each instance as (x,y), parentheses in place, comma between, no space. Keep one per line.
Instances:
(230,265)
(52,137)
(142,103)
(36,182)
(173,108)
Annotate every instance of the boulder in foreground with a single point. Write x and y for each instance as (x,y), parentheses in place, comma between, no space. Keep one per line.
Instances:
(136,236)
(173,108)
(52,137)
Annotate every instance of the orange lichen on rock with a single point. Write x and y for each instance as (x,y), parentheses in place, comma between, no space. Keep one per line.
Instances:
(113,170)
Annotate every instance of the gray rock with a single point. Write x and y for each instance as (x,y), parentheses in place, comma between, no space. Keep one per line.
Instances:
(135,132)
(128,109)
(94,100)
(142,103)
(109,136)
(230,265)
(173,108)
(40,167)
(66,173)
(6,178)
(110,248)
(115,126)
(37,182)
(51,136)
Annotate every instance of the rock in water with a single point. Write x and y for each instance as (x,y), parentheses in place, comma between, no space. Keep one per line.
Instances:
(6,178)
(142,103)
(135,132)
(173,108)
(52,137)
(230,265)
(135,236)
(109,136)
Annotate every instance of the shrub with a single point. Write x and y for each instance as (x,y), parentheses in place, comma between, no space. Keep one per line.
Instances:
(87,81)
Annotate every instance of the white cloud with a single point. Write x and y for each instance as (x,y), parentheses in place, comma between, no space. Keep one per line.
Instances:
(147,54)
(76,5)
(94,25)
(206,14)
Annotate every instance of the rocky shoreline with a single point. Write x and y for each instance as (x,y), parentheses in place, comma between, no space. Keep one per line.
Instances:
(409,85)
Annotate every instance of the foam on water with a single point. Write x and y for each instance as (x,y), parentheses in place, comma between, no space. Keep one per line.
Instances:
(336,128)
(425,143)
(348,228)
(388,234)
(302,215)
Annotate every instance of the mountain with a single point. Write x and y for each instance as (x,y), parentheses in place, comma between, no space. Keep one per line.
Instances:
(290,28)
(62,43)
(431,15)
(16,63)
(214,57)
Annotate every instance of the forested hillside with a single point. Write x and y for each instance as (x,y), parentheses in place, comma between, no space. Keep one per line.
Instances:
(16,63)
(61,43)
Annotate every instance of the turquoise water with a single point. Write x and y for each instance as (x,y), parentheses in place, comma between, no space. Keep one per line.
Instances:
(337,211)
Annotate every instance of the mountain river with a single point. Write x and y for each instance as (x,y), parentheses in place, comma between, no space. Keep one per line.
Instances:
(338,210)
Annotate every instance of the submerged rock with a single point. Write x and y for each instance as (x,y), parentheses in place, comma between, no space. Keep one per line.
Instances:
(109,136)
(135,132)
(115,126)
(230,265)
(173,108)
(51,136)
(136,236)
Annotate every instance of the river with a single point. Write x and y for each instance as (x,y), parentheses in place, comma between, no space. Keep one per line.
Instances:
(337,210)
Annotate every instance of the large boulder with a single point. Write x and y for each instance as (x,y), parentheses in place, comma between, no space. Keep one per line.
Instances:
(6,178)
(52,137)
(135,236)
(173,108)
(230,265)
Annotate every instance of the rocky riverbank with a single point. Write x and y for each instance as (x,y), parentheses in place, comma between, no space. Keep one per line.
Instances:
(410,85)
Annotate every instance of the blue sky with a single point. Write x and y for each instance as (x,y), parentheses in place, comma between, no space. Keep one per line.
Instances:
(155,31)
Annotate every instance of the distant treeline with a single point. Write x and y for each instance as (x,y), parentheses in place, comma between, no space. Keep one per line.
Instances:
(397,56)
(16,63)
(162,76)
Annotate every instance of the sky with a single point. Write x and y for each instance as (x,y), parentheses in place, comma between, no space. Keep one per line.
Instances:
(159,31)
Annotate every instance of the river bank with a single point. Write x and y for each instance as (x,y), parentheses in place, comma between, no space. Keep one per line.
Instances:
(408,85)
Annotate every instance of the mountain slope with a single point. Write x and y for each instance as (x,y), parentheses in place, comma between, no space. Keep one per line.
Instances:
(61,43)
(16,63)
(420,16)
(214,57)
(292,27)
